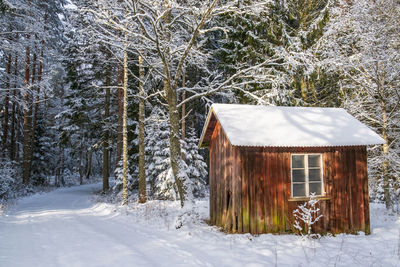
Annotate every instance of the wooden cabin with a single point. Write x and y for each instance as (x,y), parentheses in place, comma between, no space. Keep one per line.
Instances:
(264,161)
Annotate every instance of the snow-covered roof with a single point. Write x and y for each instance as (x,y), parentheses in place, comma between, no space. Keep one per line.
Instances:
(269,126)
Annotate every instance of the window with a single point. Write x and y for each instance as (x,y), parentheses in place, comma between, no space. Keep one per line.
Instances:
(307,175)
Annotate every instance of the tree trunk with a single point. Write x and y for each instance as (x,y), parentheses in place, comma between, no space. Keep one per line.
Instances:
(124,129)
(18,132)
(33,108)
(106,161)
(27,147)
(183,131)
(6,105)
(81,167)
(13,114)
(303,89)
(88,165)
(385,148)
(142,170)
(174,140)
(311,84)
(174,135)
(62,165)
(120,114)
(60,143)
(57,177)
(39,80)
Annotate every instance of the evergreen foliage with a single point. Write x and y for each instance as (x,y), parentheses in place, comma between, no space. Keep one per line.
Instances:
(159,172)
(196,166)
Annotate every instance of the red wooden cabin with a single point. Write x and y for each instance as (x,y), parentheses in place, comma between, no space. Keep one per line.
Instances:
(264,161)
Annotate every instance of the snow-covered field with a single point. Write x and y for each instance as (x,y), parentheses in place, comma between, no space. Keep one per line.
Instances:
(67,227)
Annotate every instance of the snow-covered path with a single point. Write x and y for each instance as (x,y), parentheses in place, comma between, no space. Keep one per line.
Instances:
(64,228)
(67,228)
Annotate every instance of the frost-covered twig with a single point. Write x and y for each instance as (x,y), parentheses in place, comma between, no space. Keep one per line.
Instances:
(307,214)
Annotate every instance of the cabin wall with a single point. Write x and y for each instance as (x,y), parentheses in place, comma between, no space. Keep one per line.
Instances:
(265,194)
(250,188)
(266,190)
(225,185)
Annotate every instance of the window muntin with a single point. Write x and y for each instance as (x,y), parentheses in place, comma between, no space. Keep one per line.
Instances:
(306,170)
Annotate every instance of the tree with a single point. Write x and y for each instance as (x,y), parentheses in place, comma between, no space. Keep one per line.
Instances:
(88,122)
(245,42)
(284,34)
(196,166)
(158,163)
(124,126)
(169,38)
(141,125)
(159,169)
(294,30)
(30,37)
(362,44)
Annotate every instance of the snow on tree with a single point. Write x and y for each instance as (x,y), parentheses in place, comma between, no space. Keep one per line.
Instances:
(169,37)
(362,46)
(30,41)
(284,35)
(8,183)
(66,58)
(91,94)
(159,169)
(243,42)
(196,166)
(294,30)
(159,172)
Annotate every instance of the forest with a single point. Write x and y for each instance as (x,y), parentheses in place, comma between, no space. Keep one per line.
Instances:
(118,90)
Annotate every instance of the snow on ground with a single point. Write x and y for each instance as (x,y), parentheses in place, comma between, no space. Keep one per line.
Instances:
(67,227)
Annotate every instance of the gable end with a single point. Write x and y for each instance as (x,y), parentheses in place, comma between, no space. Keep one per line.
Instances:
(208,130)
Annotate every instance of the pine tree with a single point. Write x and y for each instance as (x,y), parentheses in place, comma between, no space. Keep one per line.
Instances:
(293,32)
(159,171)
(243,44)
(44,149)
(33,30)
(196,166)
(283,34)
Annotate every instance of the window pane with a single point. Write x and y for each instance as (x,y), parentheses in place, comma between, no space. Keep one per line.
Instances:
(299,175)
(298,161)
(314,161)
(314,175)
(315,188)
(299,190)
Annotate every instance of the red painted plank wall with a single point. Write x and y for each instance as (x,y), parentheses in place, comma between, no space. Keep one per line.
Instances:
(250,188)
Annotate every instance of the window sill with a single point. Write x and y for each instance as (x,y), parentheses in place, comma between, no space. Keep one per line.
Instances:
(308,198)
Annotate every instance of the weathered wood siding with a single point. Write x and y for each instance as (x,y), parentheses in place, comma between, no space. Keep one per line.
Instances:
(225,187)
(250,188)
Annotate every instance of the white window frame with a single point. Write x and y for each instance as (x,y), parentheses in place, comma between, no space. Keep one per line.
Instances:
(306,171)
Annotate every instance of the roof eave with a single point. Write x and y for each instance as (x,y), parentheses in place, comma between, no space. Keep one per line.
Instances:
(307,146)
(210,112)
